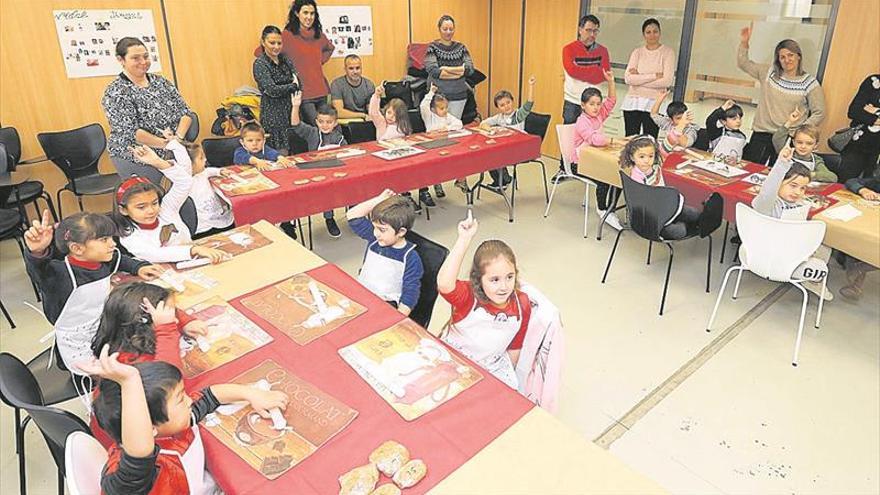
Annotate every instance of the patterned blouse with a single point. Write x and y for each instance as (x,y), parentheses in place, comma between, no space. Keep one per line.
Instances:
(129,107)
(276,83)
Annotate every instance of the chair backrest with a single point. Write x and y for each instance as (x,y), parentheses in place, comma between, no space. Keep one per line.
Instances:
(84,460)
(9,137)
(219,152)
(775,247)
(193,132)
(77,151)
(832,160)
(359,132)
(189,215)
(565,136)
(648,208)
(702,141)
(536,124)
(432,255)
(56,425)
(296,144)
(712,215)
(18,386)
(415,119)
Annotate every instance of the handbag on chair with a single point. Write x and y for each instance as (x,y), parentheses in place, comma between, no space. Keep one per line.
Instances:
(842,137)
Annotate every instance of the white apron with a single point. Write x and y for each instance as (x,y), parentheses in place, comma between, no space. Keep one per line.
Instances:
(484,338)
(322,146)
(193,461)
(80,316)
(382,275)
(810,164)
(729,146)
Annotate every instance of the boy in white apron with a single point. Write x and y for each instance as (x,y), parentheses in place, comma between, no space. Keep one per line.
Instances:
(723,129)
(392,268)
(160,456)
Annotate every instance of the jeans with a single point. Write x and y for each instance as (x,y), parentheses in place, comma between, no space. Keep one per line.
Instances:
(855,162)
(638,122)
(308,111)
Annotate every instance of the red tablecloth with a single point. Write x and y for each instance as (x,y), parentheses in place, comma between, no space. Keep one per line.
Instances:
(444,438)
(695,192)
(369,175)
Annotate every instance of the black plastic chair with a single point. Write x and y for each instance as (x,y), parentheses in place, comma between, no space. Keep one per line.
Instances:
(296,144)
(220,152)
(536,124)
(650,208)
(190,216)
(12,227)
(702,141)
(415,119)
(433,255)
(77,152)
(29,191)
(56,425)
(192,134)
(359,132)
(21,389)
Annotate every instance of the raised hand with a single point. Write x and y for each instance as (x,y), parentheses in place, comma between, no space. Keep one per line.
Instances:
(387,193)
(148,156)
(532,80)
(745,34)
(727,104)
(609,76)
(467,228)
(795,115)
(434,88)
(160,313)
(108,366)
(39,236)
(663,94)
(150,272)
(296,99)
(786,153)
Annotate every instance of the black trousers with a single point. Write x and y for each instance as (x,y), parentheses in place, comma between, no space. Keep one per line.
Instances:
(637,122)
(855,162)
(760,149)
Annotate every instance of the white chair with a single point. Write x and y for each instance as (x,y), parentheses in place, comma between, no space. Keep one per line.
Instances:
(84,459)
(565,136)
(772,249)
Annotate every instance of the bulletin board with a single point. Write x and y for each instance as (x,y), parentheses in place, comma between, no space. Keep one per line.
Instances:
(88,39)
(349,28)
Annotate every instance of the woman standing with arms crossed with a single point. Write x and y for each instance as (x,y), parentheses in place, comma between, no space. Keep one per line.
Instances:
(448,64)
(309,49)
(276,78)
(651,70)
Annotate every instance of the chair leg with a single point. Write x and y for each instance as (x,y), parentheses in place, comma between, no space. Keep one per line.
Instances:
(821,301)
(58,200)
(650,243)
(79,200)
(709,264)
(550,200)
(586,207)
(60,482)
(544,175)
(797,342)
(724,242)
(721,293)
(610,258)
(6,315)
(736,287)
(48,199)
(19,448)
(311,246)
(514,188)
(302,238)
(33,284)
(666,283)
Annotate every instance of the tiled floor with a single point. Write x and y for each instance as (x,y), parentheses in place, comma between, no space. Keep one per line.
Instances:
(745,422)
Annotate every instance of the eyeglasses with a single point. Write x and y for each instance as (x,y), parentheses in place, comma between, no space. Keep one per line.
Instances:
(592,31)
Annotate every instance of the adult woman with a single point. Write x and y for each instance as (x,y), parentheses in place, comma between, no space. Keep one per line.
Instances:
(448,63)
(784,86)
(860,155)
(277,80)
(307,47)
(139,106)
(650,70)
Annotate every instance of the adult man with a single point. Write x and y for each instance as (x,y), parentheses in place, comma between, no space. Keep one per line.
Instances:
(350,94)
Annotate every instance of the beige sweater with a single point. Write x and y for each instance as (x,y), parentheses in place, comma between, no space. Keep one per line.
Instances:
(648,63)
(780,96)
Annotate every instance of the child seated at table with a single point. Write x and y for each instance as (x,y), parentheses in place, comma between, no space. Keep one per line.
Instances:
(723,130)
(640,158)
(254,150)
(214,215)
(392,122)
(678,124)
(804,139)
(588,132)
(869,189)
(783,196)
(490,315)
(154,425)
(325,134)
(392,267)
(508,116)
(434,109)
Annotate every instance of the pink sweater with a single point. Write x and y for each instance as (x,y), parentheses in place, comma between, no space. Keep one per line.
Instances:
(649,62)
(588,130)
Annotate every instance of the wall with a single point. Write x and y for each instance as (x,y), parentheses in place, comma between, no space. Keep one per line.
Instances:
(506,43)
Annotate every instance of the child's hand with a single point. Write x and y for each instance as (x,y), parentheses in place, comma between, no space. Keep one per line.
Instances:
(196,328)
(532,80)
(634,71)
(284,161)
(160,313)
(434,88)
(786,153)
(150,272)
(147,155)
(728,104)
(168,135)
(380,90)
(869,194)
(387,193)
(39,236)
(609,76)
(296,98)
(467,228)
(215,255)
(663,94)
(745,34)
(794,116)
(264,400)
(688,118)
(225,172)
(263,165)
(108,366)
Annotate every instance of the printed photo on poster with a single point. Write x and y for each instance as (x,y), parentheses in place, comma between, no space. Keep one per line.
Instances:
(349,28)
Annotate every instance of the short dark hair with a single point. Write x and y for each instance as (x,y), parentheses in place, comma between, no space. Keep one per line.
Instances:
(589,93)
(124,44)
(797,170)
(325,109)
(444,18)
(650,21)
(588,18)
(125,326)
(734,111)
(675,109)
(270,29)
(438,97)
(501,94)
(159,379)
(82,227)
(252,127)
(396,212)
(293,20)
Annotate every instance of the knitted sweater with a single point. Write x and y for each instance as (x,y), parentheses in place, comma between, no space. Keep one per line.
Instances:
(584,68)
(453,55)
(648,63)
(780,96)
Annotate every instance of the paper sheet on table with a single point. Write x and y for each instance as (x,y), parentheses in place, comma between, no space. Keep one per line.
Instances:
(844,213)
(719,168)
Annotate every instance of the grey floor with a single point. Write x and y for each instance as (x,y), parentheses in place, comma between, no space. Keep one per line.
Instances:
(700,413)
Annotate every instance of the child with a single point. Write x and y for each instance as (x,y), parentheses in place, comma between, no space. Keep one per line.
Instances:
(782,196)
(254,150)
(149,222)
(869,189)
(435,114)
(392,268)
(677,123)
(508,117)
(723,130)
(804,138)
(588,132)
(74,276)
(154,423)
(490,315)
(325,134)
(640,158)
(214,214)
(393,123)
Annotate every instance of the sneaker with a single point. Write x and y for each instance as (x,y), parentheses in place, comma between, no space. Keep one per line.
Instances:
(439,192)
(415,204)
(851,293)
(332,228)
(816,288)
(462,184)
(426,199)
(289,228)
(613,221)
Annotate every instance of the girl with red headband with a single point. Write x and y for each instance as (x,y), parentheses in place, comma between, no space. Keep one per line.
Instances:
(149,222)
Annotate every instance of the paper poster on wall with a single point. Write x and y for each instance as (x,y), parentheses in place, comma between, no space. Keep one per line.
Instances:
(88,39)
(349,28)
